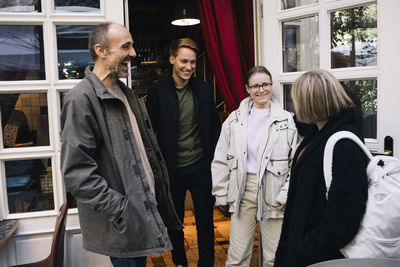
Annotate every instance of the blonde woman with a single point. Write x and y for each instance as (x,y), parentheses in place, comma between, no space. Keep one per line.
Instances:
(314,229)
(250,170)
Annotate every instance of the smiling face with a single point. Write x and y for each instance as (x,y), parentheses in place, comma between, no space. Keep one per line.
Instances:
(183,66)
(119,51)
(261,95)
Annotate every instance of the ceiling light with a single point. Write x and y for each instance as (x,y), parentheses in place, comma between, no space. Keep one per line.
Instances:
(184,14)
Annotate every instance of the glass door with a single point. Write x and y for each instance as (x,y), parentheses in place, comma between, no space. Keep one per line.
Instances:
(349,39)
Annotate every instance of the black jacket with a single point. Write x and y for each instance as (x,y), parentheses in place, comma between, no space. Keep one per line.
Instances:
(314,229)
(163,108)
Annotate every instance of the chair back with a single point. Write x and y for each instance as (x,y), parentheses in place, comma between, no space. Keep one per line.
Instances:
(56,257)
(57,247)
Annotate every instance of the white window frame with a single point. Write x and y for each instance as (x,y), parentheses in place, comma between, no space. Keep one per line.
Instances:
(109,11)
(268,42)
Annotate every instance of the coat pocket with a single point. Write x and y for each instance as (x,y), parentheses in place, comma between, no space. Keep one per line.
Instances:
(233,180)
(275,177)
(282,147)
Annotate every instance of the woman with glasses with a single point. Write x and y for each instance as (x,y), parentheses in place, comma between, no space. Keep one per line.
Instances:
(250,170)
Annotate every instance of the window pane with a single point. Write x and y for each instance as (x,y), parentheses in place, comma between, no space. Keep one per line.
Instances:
(288,103)
(73,53)
(300,40)
(29,185)
(294,3)
(62,97)
(354,37)
(70,199)
(20,6)
(21,53)
(24,120)
(92,6)
(364,95)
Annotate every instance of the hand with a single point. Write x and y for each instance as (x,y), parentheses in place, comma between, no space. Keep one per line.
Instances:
(281,207)
(224,209)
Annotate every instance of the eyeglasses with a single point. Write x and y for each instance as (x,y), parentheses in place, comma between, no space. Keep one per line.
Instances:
(256,87)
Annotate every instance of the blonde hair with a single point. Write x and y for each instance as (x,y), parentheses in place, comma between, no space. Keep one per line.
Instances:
(317,96)
(182,42)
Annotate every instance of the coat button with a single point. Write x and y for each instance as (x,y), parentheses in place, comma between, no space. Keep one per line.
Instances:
(136,170)
(161,242)
(126,135)
(146,205)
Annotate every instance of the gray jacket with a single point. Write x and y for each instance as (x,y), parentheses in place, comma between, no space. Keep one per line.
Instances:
(100,163)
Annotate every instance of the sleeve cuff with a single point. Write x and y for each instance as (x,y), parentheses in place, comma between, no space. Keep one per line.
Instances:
(281,198)
(221,201)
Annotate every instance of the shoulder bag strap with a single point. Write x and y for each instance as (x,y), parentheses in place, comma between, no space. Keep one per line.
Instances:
(328,153)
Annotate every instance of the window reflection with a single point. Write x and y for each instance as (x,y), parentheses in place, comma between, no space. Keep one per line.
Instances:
(24,120)
(29,185)
(21,53)
(300,40)
(92,6)
(288,102)
(364,96)
(62,97)
(295,3)
(70,199)
(73,53)
(20,6)
(354,37)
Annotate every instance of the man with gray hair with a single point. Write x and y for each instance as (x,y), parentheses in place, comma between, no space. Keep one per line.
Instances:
(110,159)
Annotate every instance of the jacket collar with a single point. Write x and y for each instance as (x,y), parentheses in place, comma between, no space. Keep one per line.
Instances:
(314,137)
(99,88)
(275,114)
(171,82)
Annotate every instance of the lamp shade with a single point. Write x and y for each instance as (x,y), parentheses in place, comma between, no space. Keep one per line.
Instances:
(184,14)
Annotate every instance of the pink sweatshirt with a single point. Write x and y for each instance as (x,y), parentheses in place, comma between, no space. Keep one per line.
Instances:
(256,121)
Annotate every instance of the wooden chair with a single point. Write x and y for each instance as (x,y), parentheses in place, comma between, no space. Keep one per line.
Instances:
(56,257)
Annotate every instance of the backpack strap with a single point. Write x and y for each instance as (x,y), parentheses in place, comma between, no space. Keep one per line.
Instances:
(328,153)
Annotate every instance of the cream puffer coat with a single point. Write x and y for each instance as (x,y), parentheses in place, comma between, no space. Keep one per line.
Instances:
(278,143)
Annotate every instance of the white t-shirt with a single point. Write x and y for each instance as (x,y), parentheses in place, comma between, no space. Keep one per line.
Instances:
(136,133)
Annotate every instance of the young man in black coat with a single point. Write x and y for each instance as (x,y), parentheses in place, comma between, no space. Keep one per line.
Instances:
(184,117)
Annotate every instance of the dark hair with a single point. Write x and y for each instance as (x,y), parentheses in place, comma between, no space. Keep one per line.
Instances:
(257,69)
(182,42)
(98,36)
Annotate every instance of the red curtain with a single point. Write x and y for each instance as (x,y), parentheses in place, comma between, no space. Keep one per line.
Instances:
(229,38)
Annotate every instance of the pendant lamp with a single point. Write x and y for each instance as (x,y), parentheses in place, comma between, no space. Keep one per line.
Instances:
(184,13)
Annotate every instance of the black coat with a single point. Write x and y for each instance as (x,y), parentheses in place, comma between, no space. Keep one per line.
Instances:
(163,108)
(314,229)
